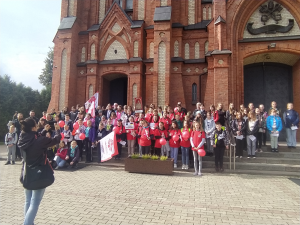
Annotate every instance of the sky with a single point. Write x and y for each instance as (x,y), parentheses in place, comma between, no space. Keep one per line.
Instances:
(27,28)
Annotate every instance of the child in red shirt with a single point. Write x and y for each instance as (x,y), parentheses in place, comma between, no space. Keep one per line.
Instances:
(166,120)
(131,136)
(197,142)
(174,144)
(145,135)
(159,133)
(185,144)
(120,135)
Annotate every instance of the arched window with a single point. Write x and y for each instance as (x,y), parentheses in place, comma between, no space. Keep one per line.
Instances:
(204,13)
(63,78)
(141,9)
(71,7)
(163,2)
(194,93)
(187,51)
(176,49)
(134,93)
(191,12)
(91,91)
(83,54)
(209,13)
(101,10)
(197,50)
(161,74)
(151,50)
(206,47)
(135,49)
(93,51)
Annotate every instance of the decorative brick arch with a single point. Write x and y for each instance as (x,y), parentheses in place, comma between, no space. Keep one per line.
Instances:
(107,45)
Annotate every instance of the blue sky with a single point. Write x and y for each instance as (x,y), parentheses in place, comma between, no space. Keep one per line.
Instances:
(27,28)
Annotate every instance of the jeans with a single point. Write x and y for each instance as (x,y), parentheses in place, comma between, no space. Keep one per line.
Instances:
(165,149)
(274,142)
(239,147)
(210,148)
(259,140)
(11,151)
(33,199)
(291,137)
(185,155)
(131,144)
(219,156)
(196,159)
(174,154)
(60,162)
(251,146)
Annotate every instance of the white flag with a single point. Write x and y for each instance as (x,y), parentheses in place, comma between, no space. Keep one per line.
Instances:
(109,147)
(91,104)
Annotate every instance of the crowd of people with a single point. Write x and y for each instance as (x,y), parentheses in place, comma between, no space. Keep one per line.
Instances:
(164,131)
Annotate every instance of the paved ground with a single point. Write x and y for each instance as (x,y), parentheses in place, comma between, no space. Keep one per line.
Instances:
(108,195)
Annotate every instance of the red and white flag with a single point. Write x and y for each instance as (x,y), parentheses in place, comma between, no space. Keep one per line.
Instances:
(109,147)
(91,104)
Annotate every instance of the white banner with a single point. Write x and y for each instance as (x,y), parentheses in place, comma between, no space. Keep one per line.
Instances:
(91,104)
(109,147)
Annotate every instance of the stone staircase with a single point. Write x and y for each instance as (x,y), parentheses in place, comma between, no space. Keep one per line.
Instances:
(286,162)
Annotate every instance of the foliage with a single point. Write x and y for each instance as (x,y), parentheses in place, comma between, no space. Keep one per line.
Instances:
(155,157)
(163,158)
(46,76)
(146,156)
(135,156)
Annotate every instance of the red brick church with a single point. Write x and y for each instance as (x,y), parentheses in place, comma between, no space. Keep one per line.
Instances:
(167,51)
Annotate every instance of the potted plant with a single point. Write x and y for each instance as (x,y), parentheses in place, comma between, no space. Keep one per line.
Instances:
(150,164)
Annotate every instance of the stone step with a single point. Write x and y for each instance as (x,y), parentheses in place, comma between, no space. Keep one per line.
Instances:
(266,160)
(290,155)
(281,148)
(256,166)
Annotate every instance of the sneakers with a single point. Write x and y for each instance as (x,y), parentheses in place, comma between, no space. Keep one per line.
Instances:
(183,167)
(241,157)
(186,167)
(248,157)
(199,174)
(272,150)
(175,165)
(221,170)
(7,163)
(196,173)
(56,168)
(276,150)
(236,157)
(13,162)
(260,150)
(253,157)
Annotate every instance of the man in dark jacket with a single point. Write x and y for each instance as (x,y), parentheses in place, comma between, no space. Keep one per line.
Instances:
(17,124)
(32,116)
(291,121)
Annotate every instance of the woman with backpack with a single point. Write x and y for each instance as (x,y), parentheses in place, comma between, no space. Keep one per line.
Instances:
(34,147)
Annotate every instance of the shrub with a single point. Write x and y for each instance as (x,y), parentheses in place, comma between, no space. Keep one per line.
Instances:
(155,157)
(135,156)
(163,158)
(146,156)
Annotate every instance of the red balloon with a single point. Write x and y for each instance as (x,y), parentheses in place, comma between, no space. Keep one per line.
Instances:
(82,136)
(176,110)
(61,123)
(62,136)
(175,137)
(185,135)
(85,123)
(162,141)
(201,152)
(76,126)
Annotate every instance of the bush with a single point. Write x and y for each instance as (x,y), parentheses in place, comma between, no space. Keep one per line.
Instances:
(155,157)
(163,158)
(135,156)
(147,156)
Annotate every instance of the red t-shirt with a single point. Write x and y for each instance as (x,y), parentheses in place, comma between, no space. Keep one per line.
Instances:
(197,137)
(160,133)
(152,120)
(171,116)
(119,130)
(167,122)
(174,144)
(132,131)
(148,117)
(145,139)
(181,115)
(183,142)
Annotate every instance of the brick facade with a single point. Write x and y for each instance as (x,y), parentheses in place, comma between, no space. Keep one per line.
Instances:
(203,43)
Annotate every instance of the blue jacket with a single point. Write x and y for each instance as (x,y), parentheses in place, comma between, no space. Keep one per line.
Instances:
(92,134)
(290,117)
(270,123)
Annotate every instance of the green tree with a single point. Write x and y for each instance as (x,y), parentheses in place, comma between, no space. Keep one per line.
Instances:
(46,76)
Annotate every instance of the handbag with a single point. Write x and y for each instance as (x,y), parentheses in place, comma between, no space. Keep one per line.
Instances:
(38,175)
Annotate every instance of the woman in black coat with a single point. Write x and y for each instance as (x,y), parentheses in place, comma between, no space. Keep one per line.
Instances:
(34,147)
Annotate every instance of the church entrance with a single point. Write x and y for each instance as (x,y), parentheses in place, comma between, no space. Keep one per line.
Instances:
(118,91)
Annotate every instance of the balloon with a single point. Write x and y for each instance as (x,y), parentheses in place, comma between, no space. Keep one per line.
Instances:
(76,126)
(201,152)
(185,135)
(62,136)
(175,137)
(85,123)
(176,110)
(162,141)
(82,136)
(61,123)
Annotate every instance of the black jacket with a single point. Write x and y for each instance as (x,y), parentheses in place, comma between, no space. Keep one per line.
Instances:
(101,134)
(255,129)
(235,126)
(36,145)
